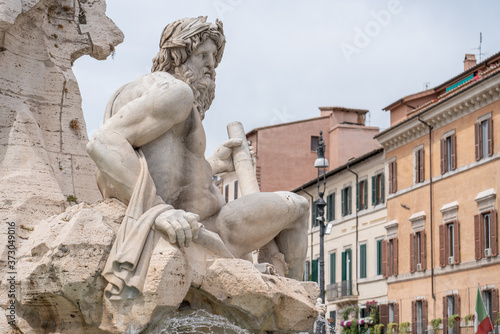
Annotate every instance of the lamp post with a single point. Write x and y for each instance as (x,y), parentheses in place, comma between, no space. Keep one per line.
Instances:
(321,163)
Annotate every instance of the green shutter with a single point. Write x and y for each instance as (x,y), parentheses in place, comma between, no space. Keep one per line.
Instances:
(342,200)
(379,257)
(333,206)
(344,267)
(349,200)
(362,261)
(333,263)
(314,271)
(314,221)
(349,254)
(365,193)
(358,197)
(374,190)
(328,207)
(382,183)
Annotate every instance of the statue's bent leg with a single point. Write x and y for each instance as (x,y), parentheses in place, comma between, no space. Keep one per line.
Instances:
(254,221)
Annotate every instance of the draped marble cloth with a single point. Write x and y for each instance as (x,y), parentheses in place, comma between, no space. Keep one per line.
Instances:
(128,261)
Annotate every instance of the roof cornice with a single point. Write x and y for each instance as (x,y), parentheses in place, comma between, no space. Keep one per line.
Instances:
(442,113)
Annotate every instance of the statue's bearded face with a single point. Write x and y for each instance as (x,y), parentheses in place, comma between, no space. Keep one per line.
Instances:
(199,73)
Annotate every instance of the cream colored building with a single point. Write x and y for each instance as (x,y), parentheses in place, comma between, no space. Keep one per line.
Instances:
(353,250)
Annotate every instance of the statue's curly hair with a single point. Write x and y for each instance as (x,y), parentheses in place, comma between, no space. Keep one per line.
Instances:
(180,38)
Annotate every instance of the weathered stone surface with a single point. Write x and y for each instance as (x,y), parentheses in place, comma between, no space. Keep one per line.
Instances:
(60,288)
(42,131)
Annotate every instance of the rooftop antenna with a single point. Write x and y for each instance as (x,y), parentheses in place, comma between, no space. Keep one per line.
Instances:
(426,85)
(480,44)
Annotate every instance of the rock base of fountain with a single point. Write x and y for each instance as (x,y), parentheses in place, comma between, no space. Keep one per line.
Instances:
(59,285)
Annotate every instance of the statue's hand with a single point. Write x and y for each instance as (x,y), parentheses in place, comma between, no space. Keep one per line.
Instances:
(221,161)
(180,226)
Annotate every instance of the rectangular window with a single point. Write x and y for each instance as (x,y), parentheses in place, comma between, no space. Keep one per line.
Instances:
(451,311)
(378,189)
(330,207)
(390,257)
(346,265)
(393,185)
(420,327)
(226,193)
(333,264)
(391,312)
(362,195)
(362,261)
(346,201)
(419,165)
(449,243)
(418,251)
(314,270)
(448,153)
(486,234)
(314,213)
(314,143)
(451,239)
(236,189)
(379,257)
(484,137)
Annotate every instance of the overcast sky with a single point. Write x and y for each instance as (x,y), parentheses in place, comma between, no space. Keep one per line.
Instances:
(285,58)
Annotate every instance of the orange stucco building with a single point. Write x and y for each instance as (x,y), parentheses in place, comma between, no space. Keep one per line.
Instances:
(443,166)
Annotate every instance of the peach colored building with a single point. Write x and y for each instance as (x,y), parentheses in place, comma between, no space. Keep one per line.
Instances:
(443,164)
(285,153)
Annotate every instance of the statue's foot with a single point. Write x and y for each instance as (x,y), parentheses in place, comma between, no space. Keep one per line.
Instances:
(265,268)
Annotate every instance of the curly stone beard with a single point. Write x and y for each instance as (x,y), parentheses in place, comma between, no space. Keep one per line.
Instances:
(202,84)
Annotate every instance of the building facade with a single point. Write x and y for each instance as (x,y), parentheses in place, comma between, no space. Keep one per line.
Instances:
(443,164)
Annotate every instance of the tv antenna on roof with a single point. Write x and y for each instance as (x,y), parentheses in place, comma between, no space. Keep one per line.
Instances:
(480,44)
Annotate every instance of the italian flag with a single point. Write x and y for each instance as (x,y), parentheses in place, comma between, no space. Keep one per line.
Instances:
(482,322)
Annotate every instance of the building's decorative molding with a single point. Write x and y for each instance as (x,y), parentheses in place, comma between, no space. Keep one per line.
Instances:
(450,212)
(417,221)
(486,200)
(392,229)
(448,111)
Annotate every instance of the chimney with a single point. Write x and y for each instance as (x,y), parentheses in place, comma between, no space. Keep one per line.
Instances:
(469,61)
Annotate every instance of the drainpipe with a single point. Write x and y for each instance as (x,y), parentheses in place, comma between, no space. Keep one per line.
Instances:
(430,202)
(356,262)
(312,201)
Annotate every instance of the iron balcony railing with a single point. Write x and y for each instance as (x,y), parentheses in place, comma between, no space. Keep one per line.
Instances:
(338,290)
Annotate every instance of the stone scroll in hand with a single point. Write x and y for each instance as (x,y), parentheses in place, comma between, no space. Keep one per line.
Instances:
(243,161)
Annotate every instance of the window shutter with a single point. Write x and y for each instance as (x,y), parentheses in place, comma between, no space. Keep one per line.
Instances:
(314,270)
(423,250)
(362,261)
(413,317)
(333,261)
(494,305)
(349,200)
(395,266)
(442,245)
(457,242)
(391,176)
(384,258)
(443,154)
(374,190)
(365,193)
(417,166)
(477,136)
(384,314)
(494,233)
(395,177)
(349,278)
(328,207)
(425,312)
(358,196)
(422,164)
(477,236)
(445,314)
(314,222)
(396,313)
(457,311)
(342,201)
(490,137)
(453,152)
(344,266)
(412,253)
(382,184)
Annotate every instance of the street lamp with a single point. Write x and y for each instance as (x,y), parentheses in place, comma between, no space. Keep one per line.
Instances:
(321,163)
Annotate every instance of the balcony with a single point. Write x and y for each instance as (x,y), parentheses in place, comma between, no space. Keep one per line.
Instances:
(340,292)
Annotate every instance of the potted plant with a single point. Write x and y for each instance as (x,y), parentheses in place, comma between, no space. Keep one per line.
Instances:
(468,318)
(379,328)
(452,319)
(435,324)
(404,327)
(392,327)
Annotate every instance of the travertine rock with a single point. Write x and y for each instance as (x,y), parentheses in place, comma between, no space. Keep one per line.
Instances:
(42,133)
(60,288)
